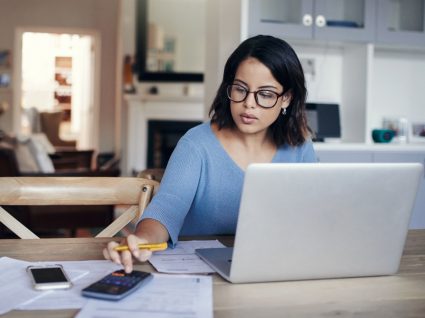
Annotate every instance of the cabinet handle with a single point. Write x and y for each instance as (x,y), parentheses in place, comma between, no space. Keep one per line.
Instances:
(320,21)
(307,20)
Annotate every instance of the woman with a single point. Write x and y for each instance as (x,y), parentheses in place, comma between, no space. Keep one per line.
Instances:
(257,116)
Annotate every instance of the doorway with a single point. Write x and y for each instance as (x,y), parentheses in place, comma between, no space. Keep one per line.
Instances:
(58,75)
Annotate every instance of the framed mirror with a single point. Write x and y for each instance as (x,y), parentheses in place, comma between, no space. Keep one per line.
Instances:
(171,40)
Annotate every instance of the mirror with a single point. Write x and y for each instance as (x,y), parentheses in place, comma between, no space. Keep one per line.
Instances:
(171,40)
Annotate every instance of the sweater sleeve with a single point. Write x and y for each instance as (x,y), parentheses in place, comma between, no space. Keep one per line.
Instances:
(177,190)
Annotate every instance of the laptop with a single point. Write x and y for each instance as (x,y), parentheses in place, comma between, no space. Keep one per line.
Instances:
(321,220)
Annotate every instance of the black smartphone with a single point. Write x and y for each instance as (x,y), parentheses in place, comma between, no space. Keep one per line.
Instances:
(48,277)
(117,285)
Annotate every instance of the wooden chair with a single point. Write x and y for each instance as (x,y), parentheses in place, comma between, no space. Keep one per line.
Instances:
(133,192)
(152,174)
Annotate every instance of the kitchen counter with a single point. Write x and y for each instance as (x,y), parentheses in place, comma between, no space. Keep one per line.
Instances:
(386,147)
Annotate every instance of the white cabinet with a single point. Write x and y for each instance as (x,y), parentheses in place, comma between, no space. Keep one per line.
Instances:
(341,20)
(377,153)
(401,22)
(373,21)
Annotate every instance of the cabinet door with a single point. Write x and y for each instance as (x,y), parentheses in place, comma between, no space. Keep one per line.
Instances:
(401,21)
(345,20)
(281,18)
(417,220)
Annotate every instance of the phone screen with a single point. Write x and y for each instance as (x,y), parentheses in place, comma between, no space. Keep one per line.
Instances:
(48,275)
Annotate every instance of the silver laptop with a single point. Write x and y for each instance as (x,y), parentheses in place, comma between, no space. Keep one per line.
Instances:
(314,221)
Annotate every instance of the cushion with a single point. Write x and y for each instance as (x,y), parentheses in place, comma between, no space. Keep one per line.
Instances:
(25,158)
(41,155)
(44,142)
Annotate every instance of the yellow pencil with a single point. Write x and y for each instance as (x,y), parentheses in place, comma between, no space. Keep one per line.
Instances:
(150,247)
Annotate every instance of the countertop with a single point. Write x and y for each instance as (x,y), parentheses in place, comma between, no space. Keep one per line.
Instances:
(387,147)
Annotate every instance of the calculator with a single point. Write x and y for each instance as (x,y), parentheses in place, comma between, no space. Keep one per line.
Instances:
(117,285)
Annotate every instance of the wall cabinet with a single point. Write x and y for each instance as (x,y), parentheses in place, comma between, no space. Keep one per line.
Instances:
(373,21)
(361,153)
(401,22)
(337,20)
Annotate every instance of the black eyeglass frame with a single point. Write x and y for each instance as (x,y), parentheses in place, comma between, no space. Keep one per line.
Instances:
(229,88)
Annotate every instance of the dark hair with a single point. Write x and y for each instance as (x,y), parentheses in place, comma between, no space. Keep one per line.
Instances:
(279,57)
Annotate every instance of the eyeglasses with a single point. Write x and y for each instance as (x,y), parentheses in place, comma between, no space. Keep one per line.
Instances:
(264,97)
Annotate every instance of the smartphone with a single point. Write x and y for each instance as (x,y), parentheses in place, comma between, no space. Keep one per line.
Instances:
(117,285)
(49,277)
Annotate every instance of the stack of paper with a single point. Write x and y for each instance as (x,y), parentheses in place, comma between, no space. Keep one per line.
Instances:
(164,296)
(182,259)
(17,292)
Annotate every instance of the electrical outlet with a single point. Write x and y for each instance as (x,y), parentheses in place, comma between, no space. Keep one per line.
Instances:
(309,66)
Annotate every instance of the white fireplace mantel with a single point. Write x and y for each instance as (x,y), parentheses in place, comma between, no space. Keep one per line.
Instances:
(141,109)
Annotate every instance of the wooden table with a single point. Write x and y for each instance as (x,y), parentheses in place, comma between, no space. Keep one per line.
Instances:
(402,295)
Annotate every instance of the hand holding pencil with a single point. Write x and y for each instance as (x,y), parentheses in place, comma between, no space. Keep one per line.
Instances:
(138,246)
(149,247)
(132,247)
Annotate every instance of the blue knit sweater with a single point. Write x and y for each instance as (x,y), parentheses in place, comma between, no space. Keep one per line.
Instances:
(201,189)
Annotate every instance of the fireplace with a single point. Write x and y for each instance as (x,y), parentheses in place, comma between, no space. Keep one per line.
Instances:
(163,136)
(144,117)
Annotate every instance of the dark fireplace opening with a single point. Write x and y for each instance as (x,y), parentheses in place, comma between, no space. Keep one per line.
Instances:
(163,136)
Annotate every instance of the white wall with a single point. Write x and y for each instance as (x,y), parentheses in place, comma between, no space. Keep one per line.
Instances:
(224,33)
(325,84)
(398,86)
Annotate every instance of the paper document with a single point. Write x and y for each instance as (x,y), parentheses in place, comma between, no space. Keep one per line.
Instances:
(165,296)
(182,259)
(71,298)
(15,283)
(18,293)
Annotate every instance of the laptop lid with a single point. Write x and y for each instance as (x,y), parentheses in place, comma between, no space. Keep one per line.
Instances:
(328,220)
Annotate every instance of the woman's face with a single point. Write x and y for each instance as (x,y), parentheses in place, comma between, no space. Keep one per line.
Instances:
(249,117)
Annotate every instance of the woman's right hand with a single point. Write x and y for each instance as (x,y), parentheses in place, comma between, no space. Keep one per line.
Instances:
(125,258)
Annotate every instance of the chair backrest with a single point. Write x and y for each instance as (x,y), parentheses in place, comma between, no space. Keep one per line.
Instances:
(152,174)
(133,192)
